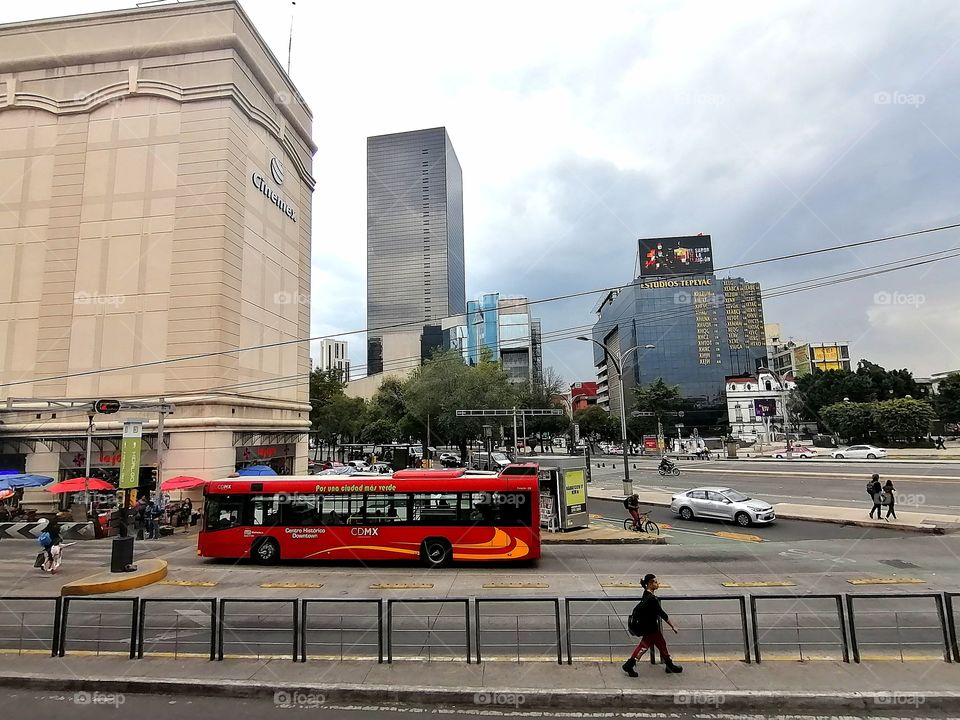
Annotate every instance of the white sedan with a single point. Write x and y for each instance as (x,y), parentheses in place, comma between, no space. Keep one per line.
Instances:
(867,452)
(722,504)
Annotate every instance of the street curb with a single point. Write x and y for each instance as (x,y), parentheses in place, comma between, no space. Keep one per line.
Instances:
(788,701)
(148,572)
(639,540)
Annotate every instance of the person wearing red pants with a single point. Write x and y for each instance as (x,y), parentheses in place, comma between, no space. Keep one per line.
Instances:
(645,623)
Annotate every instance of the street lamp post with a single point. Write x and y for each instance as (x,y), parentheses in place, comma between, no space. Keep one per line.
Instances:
(618,364)
(783,400)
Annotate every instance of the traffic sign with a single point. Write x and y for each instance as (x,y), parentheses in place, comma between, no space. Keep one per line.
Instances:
(107,407)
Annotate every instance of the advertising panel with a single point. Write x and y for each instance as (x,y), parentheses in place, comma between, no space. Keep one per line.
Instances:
(801,361)
(675,256)
(130,454)
(575,491)
(765,407)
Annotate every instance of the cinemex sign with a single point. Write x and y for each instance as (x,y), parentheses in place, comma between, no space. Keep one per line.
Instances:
(260,183)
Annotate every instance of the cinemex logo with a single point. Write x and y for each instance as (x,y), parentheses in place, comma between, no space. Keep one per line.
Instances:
(260,183)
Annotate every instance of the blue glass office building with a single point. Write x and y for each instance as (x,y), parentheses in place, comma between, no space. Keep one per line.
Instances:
(703,328)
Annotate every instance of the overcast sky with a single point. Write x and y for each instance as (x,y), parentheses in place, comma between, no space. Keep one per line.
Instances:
(773,127)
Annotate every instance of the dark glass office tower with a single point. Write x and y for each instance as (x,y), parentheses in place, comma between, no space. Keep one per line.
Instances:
(415,270)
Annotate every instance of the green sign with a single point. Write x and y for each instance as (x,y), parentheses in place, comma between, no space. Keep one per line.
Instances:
(130,456)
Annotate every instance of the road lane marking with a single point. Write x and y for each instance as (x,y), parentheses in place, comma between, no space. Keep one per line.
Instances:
(759,584)
(518,585)
(940,479)
(886,581)
(188,583)
(290,586)
(401,586)
(742,537)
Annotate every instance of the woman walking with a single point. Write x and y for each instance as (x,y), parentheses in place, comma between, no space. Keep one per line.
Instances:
(645,623)
(52,544)
(889,492)
(875,490)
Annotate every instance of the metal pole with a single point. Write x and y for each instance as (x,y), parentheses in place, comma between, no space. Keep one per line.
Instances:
(86,467)
(523,420)
(627,485)
(426,450)
(516,447)
(159,449)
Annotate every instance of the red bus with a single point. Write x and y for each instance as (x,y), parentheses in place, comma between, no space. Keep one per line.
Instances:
(436,516)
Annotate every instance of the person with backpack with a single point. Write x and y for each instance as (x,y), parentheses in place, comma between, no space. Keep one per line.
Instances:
(632,504)
(644,623)
(52,544)
(875,491)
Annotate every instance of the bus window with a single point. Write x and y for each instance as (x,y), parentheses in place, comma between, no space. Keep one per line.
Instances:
(264,510)
(303,510)
(343,510)
(223,512)
(387,509)
(435,508)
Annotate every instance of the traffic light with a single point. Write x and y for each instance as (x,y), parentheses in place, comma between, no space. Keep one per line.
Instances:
(107,407)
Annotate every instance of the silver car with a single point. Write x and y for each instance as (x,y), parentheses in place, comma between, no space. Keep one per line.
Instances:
(867,452)
(722,504)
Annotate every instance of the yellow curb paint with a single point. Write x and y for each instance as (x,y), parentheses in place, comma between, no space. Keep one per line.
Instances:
(742,537)
(290,586)
(887,581)
(897,658)
(188,583)
(505,585)
(401,586)
(759,583)
(148,572)
(629,585)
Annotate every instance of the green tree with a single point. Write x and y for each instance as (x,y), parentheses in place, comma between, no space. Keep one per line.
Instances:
(850,420)
(947,400)
(869,383)
(903,418)
(596,424)
(542,430)
(657,398)
(341,420)
(325,385)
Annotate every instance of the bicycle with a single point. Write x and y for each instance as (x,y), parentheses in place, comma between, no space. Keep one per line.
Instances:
(643,524)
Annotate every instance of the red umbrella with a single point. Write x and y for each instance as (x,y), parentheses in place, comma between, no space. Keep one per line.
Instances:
(77,485)
(181,482)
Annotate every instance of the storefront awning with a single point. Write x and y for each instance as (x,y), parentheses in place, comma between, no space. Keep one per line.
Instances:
(255,439)
(99,443)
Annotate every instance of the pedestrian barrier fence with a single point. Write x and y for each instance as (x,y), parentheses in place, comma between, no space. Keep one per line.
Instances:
(811,625)
(440,633)
(336,629)
(99,626)
(30,625)
(913,624)
(505,631)
(898,626)
(257,628)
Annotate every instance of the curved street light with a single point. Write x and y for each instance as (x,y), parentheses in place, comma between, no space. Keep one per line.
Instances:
(618,364)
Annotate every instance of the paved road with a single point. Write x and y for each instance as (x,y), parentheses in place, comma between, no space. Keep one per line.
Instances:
(20,703)
(922,487)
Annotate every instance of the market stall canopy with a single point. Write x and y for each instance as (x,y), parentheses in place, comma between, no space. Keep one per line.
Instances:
(181,482)
(12,482)
(256,470)
(78,485)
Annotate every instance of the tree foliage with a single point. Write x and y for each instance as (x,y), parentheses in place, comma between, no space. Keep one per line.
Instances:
(596,424)
(868,383)
(947,402)
(850,420)
(903,419)
(657,398)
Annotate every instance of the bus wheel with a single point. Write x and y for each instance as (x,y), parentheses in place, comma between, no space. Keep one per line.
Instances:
(435,552)
(266,552)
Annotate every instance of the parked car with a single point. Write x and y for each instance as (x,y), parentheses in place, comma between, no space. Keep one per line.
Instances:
(360,465)
(868,452)
(798,451)
(382,468)
(722,504)
(449,459)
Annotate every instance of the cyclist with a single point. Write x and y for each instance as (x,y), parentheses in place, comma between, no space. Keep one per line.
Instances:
(632,504)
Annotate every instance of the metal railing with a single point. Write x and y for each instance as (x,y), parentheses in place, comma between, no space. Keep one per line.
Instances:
(782,633)
(912,629)
(905,626)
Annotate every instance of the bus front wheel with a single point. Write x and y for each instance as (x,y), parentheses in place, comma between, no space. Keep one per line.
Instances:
(435,552)
(266,552)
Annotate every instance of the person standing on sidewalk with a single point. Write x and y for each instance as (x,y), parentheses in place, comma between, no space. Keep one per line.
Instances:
(875,491)
(645,622)
(889,498)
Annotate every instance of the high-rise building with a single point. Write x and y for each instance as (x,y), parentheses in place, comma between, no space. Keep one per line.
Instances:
(415,269)
(333,356)
(794,360)
(703,328)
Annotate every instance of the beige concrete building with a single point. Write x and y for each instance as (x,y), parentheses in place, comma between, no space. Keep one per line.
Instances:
(155,206)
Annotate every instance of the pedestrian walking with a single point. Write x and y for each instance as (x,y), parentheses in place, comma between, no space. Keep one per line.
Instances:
(889,499)
(140,517)
(875,491)
(52,544)
(940,445)
(644,623)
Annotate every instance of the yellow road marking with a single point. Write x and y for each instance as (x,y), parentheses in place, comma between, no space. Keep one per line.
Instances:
(629,585)
(401,586)
(760,583)
(886,581)
(742,537)
(906,658)
(188,583)
(290,586)
(504,585)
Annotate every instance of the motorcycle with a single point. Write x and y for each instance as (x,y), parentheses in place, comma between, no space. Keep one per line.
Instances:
(671,469)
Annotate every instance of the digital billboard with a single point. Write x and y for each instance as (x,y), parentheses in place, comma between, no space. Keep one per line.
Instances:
(765,407)
(675,256)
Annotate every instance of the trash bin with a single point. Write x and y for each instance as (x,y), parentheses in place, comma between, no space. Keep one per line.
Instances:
(121,554)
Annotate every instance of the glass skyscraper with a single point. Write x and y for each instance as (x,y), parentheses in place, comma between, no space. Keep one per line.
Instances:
(415,268)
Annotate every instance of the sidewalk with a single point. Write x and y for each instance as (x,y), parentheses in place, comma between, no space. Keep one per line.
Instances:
(825,686)
(909,521)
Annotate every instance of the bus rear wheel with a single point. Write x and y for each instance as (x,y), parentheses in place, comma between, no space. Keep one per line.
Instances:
(266,552)
(435,552)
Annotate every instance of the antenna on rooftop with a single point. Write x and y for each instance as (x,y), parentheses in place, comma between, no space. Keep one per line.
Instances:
(293,4)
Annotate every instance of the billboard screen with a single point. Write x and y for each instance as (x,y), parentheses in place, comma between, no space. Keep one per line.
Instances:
(675,256)
(765,407)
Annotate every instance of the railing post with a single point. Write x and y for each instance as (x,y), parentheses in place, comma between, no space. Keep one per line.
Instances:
(743,626)
(938,601)
(952,625)
(853,629)
(756,630)
(566,610)
(843,631)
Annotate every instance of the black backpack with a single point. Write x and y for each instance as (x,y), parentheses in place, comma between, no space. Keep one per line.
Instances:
(639,623)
